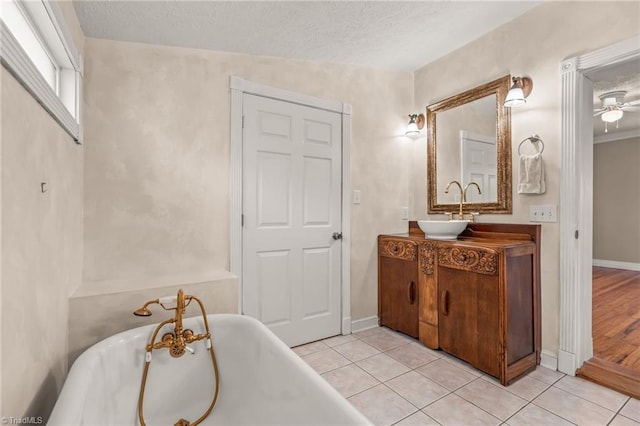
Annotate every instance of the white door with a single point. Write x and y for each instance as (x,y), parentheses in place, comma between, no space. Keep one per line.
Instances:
(479,165)
(291,211)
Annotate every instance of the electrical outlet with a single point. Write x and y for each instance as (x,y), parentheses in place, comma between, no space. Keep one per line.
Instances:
(543,213)
(356,196)
(405,213)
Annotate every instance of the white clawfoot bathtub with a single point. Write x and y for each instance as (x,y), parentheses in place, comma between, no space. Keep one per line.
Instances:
(262,382)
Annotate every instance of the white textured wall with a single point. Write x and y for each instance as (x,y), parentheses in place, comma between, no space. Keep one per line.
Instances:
(157,158)
(616,201)
(41,258)
(41,250)
(533,45)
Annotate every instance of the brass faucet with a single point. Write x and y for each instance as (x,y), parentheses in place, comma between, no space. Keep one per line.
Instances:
(464,193)
(446,191)
(177,343)
(463,196)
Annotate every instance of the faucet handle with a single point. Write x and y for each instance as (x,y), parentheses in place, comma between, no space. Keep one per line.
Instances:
(473,216)
(450,214)
(168,302)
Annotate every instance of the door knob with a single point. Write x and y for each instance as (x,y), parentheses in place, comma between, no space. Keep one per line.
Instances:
(337,235)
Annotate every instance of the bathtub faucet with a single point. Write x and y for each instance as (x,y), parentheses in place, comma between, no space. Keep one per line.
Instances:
(176,342)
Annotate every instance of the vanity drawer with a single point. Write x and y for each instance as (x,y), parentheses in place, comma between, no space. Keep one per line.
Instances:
(472,259)
(398,249)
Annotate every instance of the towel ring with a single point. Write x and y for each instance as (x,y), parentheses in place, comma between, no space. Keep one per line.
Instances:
(532,139)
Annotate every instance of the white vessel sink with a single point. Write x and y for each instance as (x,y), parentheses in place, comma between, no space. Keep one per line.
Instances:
(442,229)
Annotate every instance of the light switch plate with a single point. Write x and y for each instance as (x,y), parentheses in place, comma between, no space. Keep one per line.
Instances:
(405,213)
(356,196)
(543,213)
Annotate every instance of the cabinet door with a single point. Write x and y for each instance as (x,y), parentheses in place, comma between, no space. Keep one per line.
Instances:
(469,316)
(398,287)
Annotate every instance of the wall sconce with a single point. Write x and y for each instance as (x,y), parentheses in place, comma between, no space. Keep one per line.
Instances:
(520,89)
(416,123)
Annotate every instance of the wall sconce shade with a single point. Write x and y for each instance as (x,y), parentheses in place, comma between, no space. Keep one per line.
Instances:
(612,114)
(519,91)
(416,123)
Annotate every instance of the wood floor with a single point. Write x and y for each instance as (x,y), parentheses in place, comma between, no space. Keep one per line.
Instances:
(616,331)
(616,316)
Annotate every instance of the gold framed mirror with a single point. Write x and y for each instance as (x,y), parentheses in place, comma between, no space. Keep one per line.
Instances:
(469,140)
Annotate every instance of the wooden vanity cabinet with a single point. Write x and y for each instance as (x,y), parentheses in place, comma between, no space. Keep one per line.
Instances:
(398,285)
(478,297)
(486,310)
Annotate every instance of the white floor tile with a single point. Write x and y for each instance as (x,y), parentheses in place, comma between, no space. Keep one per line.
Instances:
(413,355)
(390,387)
(417,389)
(590,391)
(620,420)
(356,351)
(310,348)
(492,399)
(326,360)
(417,419)
(573,408)
(382,406)
(525,387)
(339,340)
(632,409)
(350,380)
(546,375)
(386,340)
(532,415)
(446,374)
(455,411)
(382,367)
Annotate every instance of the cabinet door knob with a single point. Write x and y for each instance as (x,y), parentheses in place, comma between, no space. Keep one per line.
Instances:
(411,293)
(444,303)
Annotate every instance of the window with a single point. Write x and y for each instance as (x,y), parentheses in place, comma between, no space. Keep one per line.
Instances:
(38,50)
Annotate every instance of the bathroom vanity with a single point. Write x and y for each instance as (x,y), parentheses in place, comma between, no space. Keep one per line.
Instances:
(476,297)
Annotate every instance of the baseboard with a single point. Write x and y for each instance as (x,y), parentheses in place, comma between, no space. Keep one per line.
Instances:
(629,266)
(364,323)
(567,362)
(548,359)
(346,325)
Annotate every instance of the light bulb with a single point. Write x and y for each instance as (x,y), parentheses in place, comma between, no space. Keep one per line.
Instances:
(612,115)
(515,97)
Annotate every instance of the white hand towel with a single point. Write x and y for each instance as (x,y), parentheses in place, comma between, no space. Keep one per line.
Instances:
(531,175)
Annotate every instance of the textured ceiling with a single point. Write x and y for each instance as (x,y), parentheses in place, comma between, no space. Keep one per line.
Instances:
(383,34)
(401,35)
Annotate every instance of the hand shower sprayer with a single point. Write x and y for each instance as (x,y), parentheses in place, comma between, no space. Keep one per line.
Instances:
(176,343)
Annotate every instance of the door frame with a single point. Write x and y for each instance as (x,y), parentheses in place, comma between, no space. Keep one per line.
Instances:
(576,192)
(239,87)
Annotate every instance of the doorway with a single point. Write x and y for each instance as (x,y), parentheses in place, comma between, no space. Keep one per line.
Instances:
(293,195)
(576,218)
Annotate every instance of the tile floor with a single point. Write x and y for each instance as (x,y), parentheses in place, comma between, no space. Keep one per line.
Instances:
(394,380)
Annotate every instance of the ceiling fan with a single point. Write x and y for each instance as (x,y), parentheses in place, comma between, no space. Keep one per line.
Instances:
(614,107)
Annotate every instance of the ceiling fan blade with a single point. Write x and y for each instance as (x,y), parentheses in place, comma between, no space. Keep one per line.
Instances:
(636,102)
(631,108)
(598,112)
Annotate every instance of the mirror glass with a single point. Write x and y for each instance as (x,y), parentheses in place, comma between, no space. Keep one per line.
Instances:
(469,140)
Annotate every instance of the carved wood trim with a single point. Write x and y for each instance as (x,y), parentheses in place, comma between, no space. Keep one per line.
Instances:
(482,261)
(398,249)
(427,256)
